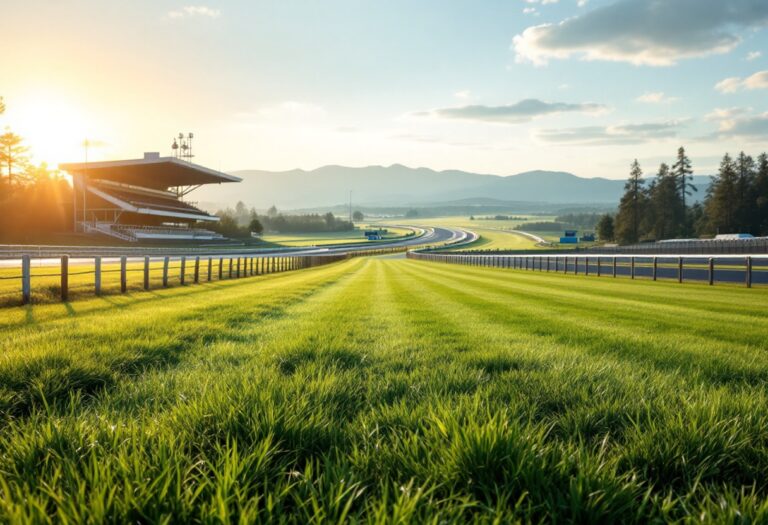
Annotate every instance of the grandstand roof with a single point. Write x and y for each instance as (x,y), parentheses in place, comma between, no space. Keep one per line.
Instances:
(150,172)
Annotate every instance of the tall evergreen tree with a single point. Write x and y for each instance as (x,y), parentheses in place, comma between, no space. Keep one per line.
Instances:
(761,194)
(631,207)
(745,216)
(667,211)
(723,198)
(683,174)
(13,154)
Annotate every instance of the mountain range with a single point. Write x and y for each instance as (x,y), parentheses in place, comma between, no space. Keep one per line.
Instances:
(399,185)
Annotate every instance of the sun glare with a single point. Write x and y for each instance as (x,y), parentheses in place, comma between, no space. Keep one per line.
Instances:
(54,129)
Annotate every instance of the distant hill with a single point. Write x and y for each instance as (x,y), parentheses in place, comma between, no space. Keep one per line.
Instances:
(399,185)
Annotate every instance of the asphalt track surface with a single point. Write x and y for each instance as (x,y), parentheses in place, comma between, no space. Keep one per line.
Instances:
(84,255)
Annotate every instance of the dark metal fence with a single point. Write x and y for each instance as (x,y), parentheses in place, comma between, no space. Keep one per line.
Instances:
(747,270)
(24,284)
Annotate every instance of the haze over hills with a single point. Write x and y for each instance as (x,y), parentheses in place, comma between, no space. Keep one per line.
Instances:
(399,185)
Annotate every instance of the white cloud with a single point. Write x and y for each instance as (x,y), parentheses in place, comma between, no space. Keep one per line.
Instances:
(523,111)
(195,10)
(617,135)
(644,32)
(758,80)
(582,3)
(464,94)
(724,114)
(656,97)
(530,11)
(739,123)
(753,55)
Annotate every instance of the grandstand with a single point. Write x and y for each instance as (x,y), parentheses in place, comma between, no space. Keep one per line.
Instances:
(142,199)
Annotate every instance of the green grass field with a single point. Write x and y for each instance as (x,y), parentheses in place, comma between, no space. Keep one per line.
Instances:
(391,391)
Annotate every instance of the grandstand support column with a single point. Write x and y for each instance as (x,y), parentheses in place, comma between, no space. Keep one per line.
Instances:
(97,275)
(146,272)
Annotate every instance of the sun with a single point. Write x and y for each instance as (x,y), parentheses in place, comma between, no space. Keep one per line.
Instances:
(53,128)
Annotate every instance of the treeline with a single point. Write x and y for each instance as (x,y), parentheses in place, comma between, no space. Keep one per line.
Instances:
(34,200)
(736,201)
(241,221)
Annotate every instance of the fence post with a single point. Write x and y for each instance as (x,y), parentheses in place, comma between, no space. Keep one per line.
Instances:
(679,269)
(614,265)
(632,267)
(221,267)
(123,274)
(586,265)
(26,279)
(230,267)
(655,267)
(598,266)
(64,278)
(197,269)
(210,268)
(97,275)
(146,272)
(711,271)
(182,273)
(165,272)
(251,266)
(748,275)
(238,268)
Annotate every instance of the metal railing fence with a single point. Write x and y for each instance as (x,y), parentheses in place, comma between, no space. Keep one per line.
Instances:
(748,270)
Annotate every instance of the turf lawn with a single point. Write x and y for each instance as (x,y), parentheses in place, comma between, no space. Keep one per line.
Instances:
(393,391)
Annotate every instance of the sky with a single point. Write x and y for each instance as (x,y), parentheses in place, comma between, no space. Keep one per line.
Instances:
(491,86)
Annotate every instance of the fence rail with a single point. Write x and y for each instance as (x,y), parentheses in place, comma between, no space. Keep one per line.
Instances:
(101,275)
(747,270)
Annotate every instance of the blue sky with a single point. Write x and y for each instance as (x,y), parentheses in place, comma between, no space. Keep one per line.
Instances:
(492,86)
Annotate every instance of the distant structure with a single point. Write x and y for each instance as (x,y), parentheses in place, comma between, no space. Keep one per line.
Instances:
(569,237)
(142,199)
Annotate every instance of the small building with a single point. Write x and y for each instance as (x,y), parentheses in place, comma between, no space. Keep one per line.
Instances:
(570,237)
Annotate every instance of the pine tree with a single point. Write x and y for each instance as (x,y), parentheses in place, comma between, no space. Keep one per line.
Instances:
(683,174)
(746,208)
(723,198)
(13,155)
(667,217)
(605,228)
(631,207)
(761,195)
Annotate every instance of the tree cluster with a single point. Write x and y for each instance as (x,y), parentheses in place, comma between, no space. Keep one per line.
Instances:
(241,221)
(34,199)
(736,201)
